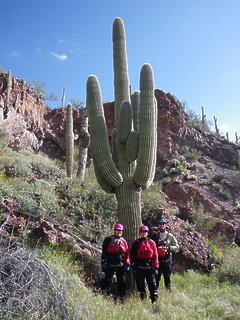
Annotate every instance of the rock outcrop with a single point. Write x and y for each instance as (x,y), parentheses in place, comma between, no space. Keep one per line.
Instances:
(21,114)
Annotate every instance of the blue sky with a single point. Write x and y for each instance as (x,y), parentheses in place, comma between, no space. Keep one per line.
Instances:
(192,45)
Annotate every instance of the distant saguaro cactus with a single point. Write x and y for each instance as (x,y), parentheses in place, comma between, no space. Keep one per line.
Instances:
(216,127)
(9,80)
(130,165)
(203,118)
(84,141)
(69,141)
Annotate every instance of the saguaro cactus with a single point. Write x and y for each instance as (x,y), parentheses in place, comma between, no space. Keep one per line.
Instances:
(130,165)
(9,80)
(69,141)
(84,141)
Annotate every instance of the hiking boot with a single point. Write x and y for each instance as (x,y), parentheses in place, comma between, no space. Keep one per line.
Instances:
(168,288)
(143,295)
(154,299)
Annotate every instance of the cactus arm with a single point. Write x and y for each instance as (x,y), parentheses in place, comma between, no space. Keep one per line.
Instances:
(101,180)
(135,109)
(121,80)
(125,121)
(114,151)
(146,160)
(98,132)
(132,146)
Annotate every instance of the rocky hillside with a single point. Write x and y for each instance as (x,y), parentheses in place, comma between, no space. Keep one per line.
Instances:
(198,172)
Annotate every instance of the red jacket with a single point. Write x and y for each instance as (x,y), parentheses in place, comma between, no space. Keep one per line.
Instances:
(115,252)
(144,253)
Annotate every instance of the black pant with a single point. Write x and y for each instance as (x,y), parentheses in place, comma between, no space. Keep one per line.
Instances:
(107,282)
(165,269)
(148,274)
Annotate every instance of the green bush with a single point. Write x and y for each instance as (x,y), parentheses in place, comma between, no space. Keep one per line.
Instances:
(209,165)
(216,186)
(166,180)
(234,179)
(218,177)
(152,198)
(190,153)
(226,195)
(229,270)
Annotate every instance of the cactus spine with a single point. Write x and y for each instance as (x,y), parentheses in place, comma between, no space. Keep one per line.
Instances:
(69,141)
(130,165)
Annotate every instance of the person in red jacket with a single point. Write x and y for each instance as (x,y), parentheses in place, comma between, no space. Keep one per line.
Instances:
(115,259)
(144,263)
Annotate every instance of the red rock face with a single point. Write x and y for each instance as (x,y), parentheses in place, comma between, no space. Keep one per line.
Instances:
(171,125)
(22,116)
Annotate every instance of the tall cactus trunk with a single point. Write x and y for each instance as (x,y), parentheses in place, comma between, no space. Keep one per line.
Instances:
(129,209)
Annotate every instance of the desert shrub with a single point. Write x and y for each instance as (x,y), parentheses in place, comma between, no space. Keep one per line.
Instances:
(29,165)
(205,175)
(226,195)
(3,143)
(190,177)
(166,180)
(87,207)
(215,245)
(234,178)
(229,270)
(15,165)
(173,163)
(19,190)
(209,165)
(152,198)
(29,289)
(190,153)
(218,177)
(45,168)
(201,221)
(216,186)
(180,169)
(195,166)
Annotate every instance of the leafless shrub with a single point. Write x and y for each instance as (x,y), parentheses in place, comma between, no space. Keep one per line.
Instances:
(28,288)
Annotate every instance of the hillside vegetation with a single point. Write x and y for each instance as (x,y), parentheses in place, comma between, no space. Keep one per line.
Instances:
(40,280)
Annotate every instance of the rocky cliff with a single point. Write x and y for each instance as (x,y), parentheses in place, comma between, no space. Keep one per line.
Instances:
(21,113)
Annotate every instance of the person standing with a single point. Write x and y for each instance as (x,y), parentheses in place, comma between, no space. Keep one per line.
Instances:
(144,264)
(115,259)
(166,244)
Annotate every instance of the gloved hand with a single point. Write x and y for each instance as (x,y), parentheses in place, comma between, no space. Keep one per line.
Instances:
(127,268)
(104,267)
